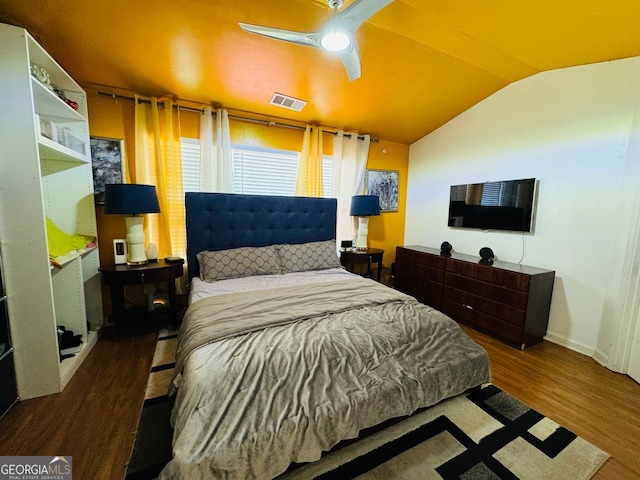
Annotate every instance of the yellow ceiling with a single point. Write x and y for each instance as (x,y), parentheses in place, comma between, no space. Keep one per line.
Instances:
(423,62)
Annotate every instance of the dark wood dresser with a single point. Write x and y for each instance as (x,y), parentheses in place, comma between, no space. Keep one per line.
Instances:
(506,300)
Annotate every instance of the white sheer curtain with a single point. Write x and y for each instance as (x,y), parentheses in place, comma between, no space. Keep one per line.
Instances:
(349,167)
(216,161)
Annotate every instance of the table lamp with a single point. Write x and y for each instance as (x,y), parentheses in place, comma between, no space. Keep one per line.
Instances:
(135,200)
(364,206)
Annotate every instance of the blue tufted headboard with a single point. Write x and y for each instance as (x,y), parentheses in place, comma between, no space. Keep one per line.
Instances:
(218,221)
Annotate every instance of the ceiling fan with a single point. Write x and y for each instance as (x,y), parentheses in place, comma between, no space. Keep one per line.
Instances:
(337,35)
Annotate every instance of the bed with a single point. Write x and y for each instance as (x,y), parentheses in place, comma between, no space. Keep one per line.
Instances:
(283,354)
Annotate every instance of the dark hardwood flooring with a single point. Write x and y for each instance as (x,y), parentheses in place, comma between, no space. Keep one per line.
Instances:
(95,418)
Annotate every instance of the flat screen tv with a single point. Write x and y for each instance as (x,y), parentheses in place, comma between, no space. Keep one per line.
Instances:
(505,205)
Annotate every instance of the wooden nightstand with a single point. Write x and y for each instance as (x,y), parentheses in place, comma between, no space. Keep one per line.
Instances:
(117,276)
(349,259)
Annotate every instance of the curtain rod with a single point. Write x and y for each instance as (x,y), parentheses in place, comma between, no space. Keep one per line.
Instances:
(239,117)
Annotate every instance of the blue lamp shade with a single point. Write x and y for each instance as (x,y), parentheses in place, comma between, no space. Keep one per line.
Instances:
(130,199)
(365,205)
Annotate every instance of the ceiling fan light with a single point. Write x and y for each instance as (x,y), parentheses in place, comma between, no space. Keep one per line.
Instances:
(335,41)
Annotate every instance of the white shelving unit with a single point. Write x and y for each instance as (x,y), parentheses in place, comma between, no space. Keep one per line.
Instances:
(39,178)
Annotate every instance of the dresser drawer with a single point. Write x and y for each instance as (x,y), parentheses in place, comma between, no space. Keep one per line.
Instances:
(421,275)
(424,290)
(420,258)
(404,266)
(507,300)
(475,303)
(490,274)
(491,291)
(482,321)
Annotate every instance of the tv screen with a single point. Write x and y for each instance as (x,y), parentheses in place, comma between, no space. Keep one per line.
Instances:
(505,205)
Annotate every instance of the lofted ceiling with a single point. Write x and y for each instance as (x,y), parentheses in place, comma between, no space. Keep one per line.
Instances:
(423,62)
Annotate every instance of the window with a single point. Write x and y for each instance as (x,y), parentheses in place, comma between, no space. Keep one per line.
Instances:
(256,170)
(190,149)
(264,171)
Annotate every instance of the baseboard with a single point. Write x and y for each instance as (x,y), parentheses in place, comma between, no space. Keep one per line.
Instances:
(601,357)
(598,355)
(571,345)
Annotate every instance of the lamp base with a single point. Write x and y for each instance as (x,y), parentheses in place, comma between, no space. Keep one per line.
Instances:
(135,242)
(363,232)
(138,263)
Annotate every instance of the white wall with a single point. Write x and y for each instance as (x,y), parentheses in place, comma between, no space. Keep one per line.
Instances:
(571,130)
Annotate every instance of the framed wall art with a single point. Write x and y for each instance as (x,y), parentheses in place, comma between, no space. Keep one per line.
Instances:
(384,183)
(107,161)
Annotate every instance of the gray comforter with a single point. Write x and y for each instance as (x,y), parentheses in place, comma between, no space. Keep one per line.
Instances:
(279,376)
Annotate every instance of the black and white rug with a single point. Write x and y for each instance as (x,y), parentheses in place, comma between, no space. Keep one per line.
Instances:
(152,445)
(485,434)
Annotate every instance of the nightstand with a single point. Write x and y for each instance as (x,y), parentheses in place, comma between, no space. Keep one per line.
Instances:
(349,259)
(117,276)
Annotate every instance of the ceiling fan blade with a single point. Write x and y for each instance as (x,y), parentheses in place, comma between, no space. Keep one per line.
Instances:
(351,60)
(360,11)
(299,38)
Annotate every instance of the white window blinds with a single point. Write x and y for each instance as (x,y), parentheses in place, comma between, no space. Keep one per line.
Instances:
(256,170)
(259,171)
(190,164)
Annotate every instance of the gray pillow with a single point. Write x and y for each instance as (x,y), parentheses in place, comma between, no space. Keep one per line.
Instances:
(308,256)
(238,262)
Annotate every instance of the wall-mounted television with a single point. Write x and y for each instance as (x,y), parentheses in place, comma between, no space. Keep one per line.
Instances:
(504,205)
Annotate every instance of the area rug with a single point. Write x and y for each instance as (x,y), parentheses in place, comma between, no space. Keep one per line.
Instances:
(484,434)
(152,445)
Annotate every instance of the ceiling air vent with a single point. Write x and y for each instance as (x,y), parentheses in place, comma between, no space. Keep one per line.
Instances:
(287,102)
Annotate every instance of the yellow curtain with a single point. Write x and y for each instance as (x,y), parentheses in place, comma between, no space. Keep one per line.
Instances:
(309,182)
(158,162)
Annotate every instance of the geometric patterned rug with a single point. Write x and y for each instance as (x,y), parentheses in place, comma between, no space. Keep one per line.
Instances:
(152,445)
(485,434)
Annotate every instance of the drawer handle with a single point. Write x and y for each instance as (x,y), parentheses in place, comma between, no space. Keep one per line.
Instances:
(467,306)
(142,278)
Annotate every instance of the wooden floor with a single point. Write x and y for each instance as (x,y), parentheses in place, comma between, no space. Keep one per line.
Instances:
(95,418)
(574,390)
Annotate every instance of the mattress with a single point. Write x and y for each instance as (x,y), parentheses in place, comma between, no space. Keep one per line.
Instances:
(277,370)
